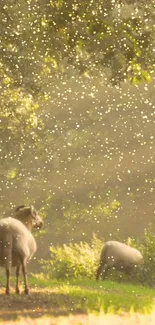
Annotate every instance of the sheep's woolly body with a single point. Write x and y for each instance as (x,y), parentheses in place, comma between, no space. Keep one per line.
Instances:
(114,252)
(16,242)
(120,256)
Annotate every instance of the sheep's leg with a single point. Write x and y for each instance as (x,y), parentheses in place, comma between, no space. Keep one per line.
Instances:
(105,273)
(129,272)
(7,258)
(7,281)
(24,269)
(17,279)
(99,270)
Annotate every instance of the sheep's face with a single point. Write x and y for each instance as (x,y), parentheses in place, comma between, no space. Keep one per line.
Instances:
(37,222)
(29,216)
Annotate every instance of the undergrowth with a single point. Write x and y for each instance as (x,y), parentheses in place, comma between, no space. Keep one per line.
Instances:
(81,260)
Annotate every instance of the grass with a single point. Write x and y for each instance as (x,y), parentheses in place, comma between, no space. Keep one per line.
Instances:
(88,295)
(78,302)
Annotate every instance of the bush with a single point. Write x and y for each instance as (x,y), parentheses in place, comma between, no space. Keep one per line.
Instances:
(74,260)
(146,273)
(81,260)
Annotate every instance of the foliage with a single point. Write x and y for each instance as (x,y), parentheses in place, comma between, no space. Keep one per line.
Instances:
(41,38)
(73,260)
(146,273)
(65,143)
(91,208)
(81,260)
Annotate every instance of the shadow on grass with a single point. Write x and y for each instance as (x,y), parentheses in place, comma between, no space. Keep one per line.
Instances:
(79,298)
(38,303)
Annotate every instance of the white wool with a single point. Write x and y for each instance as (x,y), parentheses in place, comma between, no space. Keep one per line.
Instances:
(118,252)
(14,231)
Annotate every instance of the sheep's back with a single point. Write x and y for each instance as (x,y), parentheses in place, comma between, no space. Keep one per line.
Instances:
(22,241)
(12,225)
(119,252)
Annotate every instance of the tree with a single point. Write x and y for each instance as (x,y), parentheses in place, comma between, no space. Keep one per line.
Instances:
(41,37)
(56,146)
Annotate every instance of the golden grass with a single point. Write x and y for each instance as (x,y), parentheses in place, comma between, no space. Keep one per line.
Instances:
(90,319)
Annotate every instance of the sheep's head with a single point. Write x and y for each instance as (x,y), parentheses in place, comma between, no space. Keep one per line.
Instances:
(36,219)
(29,216)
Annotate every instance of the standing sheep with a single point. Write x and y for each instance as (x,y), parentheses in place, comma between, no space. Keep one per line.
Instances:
(17,244)
(120,256)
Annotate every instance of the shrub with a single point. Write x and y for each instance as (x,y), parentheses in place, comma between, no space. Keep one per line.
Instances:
(81,260)
(74,260)
(146,272)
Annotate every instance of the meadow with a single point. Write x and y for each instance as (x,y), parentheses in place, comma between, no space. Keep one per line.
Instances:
(78,302)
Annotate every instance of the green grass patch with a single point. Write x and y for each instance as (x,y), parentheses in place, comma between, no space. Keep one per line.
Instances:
(91,296)
(53,297)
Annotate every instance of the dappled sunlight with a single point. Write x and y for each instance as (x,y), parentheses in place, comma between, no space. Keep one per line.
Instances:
(76,298)
(77,130)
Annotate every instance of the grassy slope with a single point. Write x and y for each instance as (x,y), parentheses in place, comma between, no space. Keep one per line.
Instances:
(89,295)
(79,302)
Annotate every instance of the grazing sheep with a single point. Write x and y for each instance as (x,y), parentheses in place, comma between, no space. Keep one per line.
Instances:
(17,244)
(120,256)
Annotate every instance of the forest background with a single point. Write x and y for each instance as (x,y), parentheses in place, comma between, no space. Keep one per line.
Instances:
(77,116)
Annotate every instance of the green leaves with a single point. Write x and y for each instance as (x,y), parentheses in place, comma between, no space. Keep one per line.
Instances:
(73,260)
(84,34)
(54,125)
(12,173)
